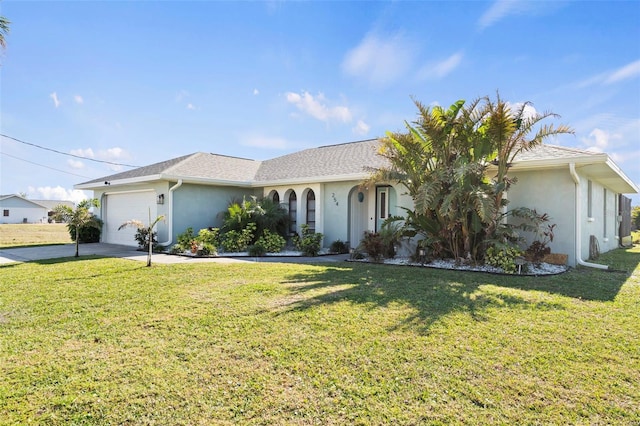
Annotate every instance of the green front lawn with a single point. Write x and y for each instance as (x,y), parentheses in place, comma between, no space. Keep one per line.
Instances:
(110,341)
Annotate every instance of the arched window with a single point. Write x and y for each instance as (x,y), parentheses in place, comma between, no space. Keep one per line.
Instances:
(293,212)
(276,197)
(311,210)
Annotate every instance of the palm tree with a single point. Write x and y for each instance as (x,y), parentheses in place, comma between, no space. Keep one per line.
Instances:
(77,218)
(443,161)
(509,131)
(4,30)
(147,229)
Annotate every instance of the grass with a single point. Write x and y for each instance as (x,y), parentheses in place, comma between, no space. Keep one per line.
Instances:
(109,341)
(20,235)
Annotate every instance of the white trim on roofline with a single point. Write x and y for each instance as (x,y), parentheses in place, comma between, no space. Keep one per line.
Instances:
(312,179)
(596,159)
(225,182)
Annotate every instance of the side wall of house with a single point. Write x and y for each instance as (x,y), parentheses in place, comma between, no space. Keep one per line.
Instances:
(19,210)
(599,217)
(202,206)
(551,192)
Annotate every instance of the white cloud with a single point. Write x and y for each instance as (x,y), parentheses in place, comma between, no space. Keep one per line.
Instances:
(317,107)
(256,92)
(258,141)
(88,152)
(442,68)
(380,61)
(529,110)
(75,164)
(500,9)
(78,99)
(361,128)
(113,154)
(191,107)
(597,141)
(610,77)
(56,193)
(54,97)
(628,71)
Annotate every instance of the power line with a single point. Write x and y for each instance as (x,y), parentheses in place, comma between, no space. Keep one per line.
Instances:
(42,165)
(64,153)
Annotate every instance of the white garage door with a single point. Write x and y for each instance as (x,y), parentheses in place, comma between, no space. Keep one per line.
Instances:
(123,207)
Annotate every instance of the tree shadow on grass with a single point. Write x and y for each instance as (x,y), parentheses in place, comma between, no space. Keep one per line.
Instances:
(433,294)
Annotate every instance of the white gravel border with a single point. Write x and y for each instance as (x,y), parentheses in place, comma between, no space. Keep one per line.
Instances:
(533,269)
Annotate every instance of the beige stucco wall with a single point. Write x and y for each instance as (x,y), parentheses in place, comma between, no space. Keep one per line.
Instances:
(551,192)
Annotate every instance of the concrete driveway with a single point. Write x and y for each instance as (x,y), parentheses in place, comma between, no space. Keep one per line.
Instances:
(27,254)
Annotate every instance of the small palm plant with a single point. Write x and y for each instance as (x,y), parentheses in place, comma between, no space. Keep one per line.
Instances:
(148,230)
(78,218)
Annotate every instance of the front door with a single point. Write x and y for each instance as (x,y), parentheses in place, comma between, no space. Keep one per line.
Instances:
(357,216)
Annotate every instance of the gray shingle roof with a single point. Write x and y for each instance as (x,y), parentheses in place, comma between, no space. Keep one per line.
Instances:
(347,160)
(198,165)
(333,160)
(546,152)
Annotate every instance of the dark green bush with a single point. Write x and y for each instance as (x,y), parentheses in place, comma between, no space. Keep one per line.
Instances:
(237,241)
(271,242)
(89,233)
(309,243)
(256,250)
(339,247)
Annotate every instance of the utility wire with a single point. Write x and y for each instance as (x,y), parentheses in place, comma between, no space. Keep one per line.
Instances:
(42,165)
(64,153)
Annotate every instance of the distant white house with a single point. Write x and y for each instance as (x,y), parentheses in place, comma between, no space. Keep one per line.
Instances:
(17,209)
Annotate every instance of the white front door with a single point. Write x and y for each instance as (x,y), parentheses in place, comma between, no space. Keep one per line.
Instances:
(357,216)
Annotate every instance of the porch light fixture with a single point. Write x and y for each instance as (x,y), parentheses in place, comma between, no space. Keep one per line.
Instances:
(160,199)
(360,196)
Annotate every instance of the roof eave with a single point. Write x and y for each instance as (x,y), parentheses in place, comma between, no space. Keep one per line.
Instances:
(208,181)
(107,183)
(313,179)
(618,182)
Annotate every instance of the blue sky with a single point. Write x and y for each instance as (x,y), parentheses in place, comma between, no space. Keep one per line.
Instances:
(140,82)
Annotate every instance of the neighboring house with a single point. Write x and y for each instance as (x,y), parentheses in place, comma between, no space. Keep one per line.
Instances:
(322,187)
(17,209)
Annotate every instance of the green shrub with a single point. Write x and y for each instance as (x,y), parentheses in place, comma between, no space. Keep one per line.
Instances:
(186,237)
(256,250)
(504,258)
(271,242)
(89,233)
(209,236)
(339,246)
(142,237)
(207,249)
(309,243)
(237,241)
